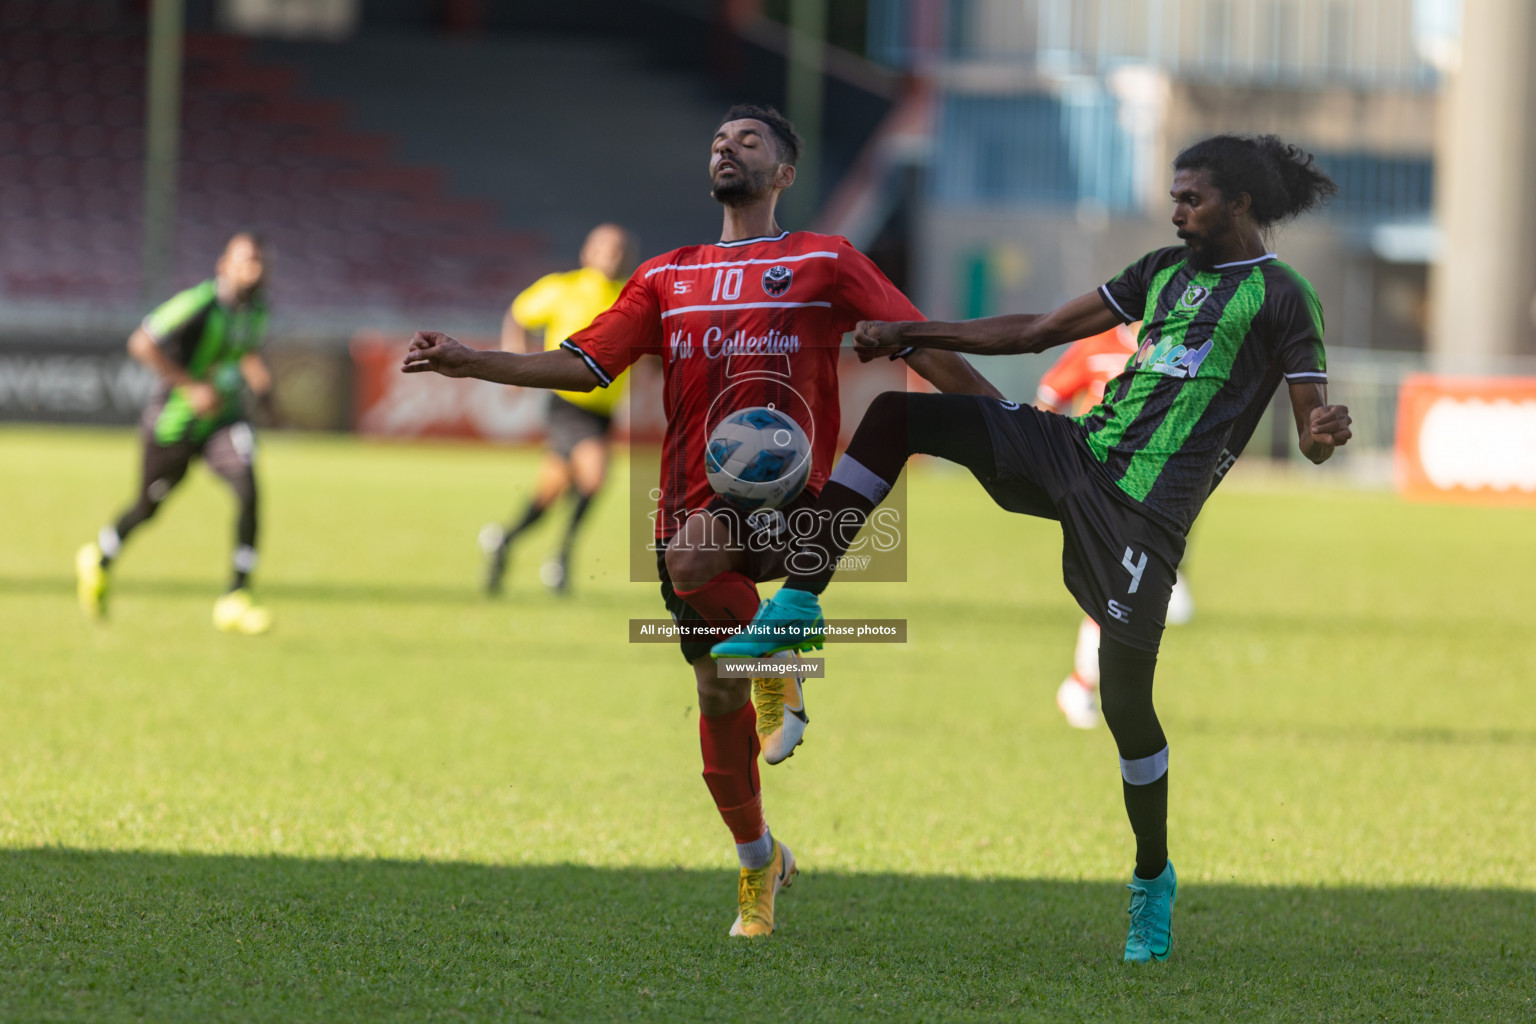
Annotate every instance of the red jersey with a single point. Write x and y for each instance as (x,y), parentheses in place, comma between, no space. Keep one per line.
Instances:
(1084,369)
(738,324)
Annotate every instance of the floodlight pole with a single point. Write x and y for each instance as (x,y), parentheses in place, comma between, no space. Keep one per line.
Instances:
(162,122)
(804,98)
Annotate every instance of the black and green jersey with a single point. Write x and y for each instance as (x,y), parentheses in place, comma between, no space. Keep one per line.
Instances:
(1214,345)
(200,334)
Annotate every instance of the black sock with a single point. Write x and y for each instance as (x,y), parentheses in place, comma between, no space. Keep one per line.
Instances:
(532,514)
(1147,807)
(578,512)
(1125,695)
(897,426)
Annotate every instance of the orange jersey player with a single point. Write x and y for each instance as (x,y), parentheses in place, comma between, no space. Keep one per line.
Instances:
(1076,381)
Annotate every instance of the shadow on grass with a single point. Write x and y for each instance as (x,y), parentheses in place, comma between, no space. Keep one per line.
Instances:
(128,936)
(1328,732)
(360,592)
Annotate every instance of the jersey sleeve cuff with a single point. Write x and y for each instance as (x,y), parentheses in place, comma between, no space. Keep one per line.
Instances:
(1307,377)
(1109,300)
(592,364)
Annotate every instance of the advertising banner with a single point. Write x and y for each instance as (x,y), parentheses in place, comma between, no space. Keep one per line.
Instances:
(388,403)
(1467,439)
(49,381)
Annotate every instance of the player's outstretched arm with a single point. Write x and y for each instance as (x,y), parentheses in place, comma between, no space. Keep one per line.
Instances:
(1320,427)
(1012,333)
(557,369)
(951,373)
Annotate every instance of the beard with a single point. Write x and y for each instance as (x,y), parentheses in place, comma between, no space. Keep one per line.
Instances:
(744,188)
(1200,255)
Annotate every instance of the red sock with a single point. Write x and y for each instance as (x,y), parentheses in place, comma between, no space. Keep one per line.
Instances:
(729,744)
(728,601)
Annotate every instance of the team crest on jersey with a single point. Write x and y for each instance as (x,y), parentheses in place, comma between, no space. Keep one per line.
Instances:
(776,279)
(1193,296)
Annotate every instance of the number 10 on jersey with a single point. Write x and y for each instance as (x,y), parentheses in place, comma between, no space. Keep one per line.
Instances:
(727,285)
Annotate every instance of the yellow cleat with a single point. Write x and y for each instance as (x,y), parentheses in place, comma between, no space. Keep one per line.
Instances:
(757,887)
(781,717)
(91,581)
(235,613)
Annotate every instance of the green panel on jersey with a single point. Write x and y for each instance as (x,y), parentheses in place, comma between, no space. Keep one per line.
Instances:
(1188,406)
(1155,289)
(1125,411)
(174,313)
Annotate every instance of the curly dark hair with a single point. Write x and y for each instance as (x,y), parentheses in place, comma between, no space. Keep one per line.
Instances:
(787,141)
(1281,180)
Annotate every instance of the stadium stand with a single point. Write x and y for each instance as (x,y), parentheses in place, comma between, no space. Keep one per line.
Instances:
(353,226)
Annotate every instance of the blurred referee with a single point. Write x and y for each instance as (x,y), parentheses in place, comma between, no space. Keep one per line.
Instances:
(576,446)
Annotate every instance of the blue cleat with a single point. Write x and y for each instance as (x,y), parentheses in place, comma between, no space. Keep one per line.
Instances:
(1151,935)
(788,621)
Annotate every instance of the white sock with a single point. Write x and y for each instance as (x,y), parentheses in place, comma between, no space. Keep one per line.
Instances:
(756,854)
(109,542)
(245,558)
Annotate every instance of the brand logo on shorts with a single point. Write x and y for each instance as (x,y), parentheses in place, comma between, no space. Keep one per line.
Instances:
(776,279)
(1119,612)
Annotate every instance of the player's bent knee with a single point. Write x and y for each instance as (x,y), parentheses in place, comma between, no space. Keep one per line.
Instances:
(889,407)
(718,696)
(692,561)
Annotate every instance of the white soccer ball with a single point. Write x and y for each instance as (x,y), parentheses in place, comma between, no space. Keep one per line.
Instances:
(758,458)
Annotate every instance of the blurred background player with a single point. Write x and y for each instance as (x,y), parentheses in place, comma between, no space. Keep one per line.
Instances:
(761,312)
(1073,386)
(202,344)
(576,441)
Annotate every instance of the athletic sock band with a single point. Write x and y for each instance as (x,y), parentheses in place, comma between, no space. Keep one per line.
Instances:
(245,559)
(109,542)
(860,479)
(1144,771)
(757,853)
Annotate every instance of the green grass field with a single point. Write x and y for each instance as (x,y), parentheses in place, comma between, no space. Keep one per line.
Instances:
(410,803)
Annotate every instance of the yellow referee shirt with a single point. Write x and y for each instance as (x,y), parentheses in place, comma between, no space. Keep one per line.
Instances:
(562,304)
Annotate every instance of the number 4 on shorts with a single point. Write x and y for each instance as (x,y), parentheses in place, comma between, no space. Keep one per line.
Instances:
(1134,568)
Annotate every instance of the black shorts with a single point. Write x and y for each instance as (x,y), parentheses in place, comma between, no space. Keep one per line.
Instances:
(568,425)
(230,451)
(1116,560)
(765,543)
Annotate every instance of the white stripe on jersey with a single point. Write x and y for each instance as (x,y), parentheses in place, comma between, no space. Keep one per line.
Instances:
(748,241)
(741,263)
(743,305)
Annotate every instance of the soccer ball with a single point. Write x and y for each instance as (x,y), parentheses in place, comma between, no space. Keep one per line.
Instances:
(758,458)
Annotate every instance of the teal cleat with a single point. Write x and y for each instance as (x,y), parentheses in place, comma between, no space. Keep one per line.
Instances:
(788,621)
(1151,936)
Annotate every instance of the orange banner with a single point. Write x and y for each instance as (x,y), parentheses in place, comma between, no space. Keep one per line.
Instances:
(1467,439)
